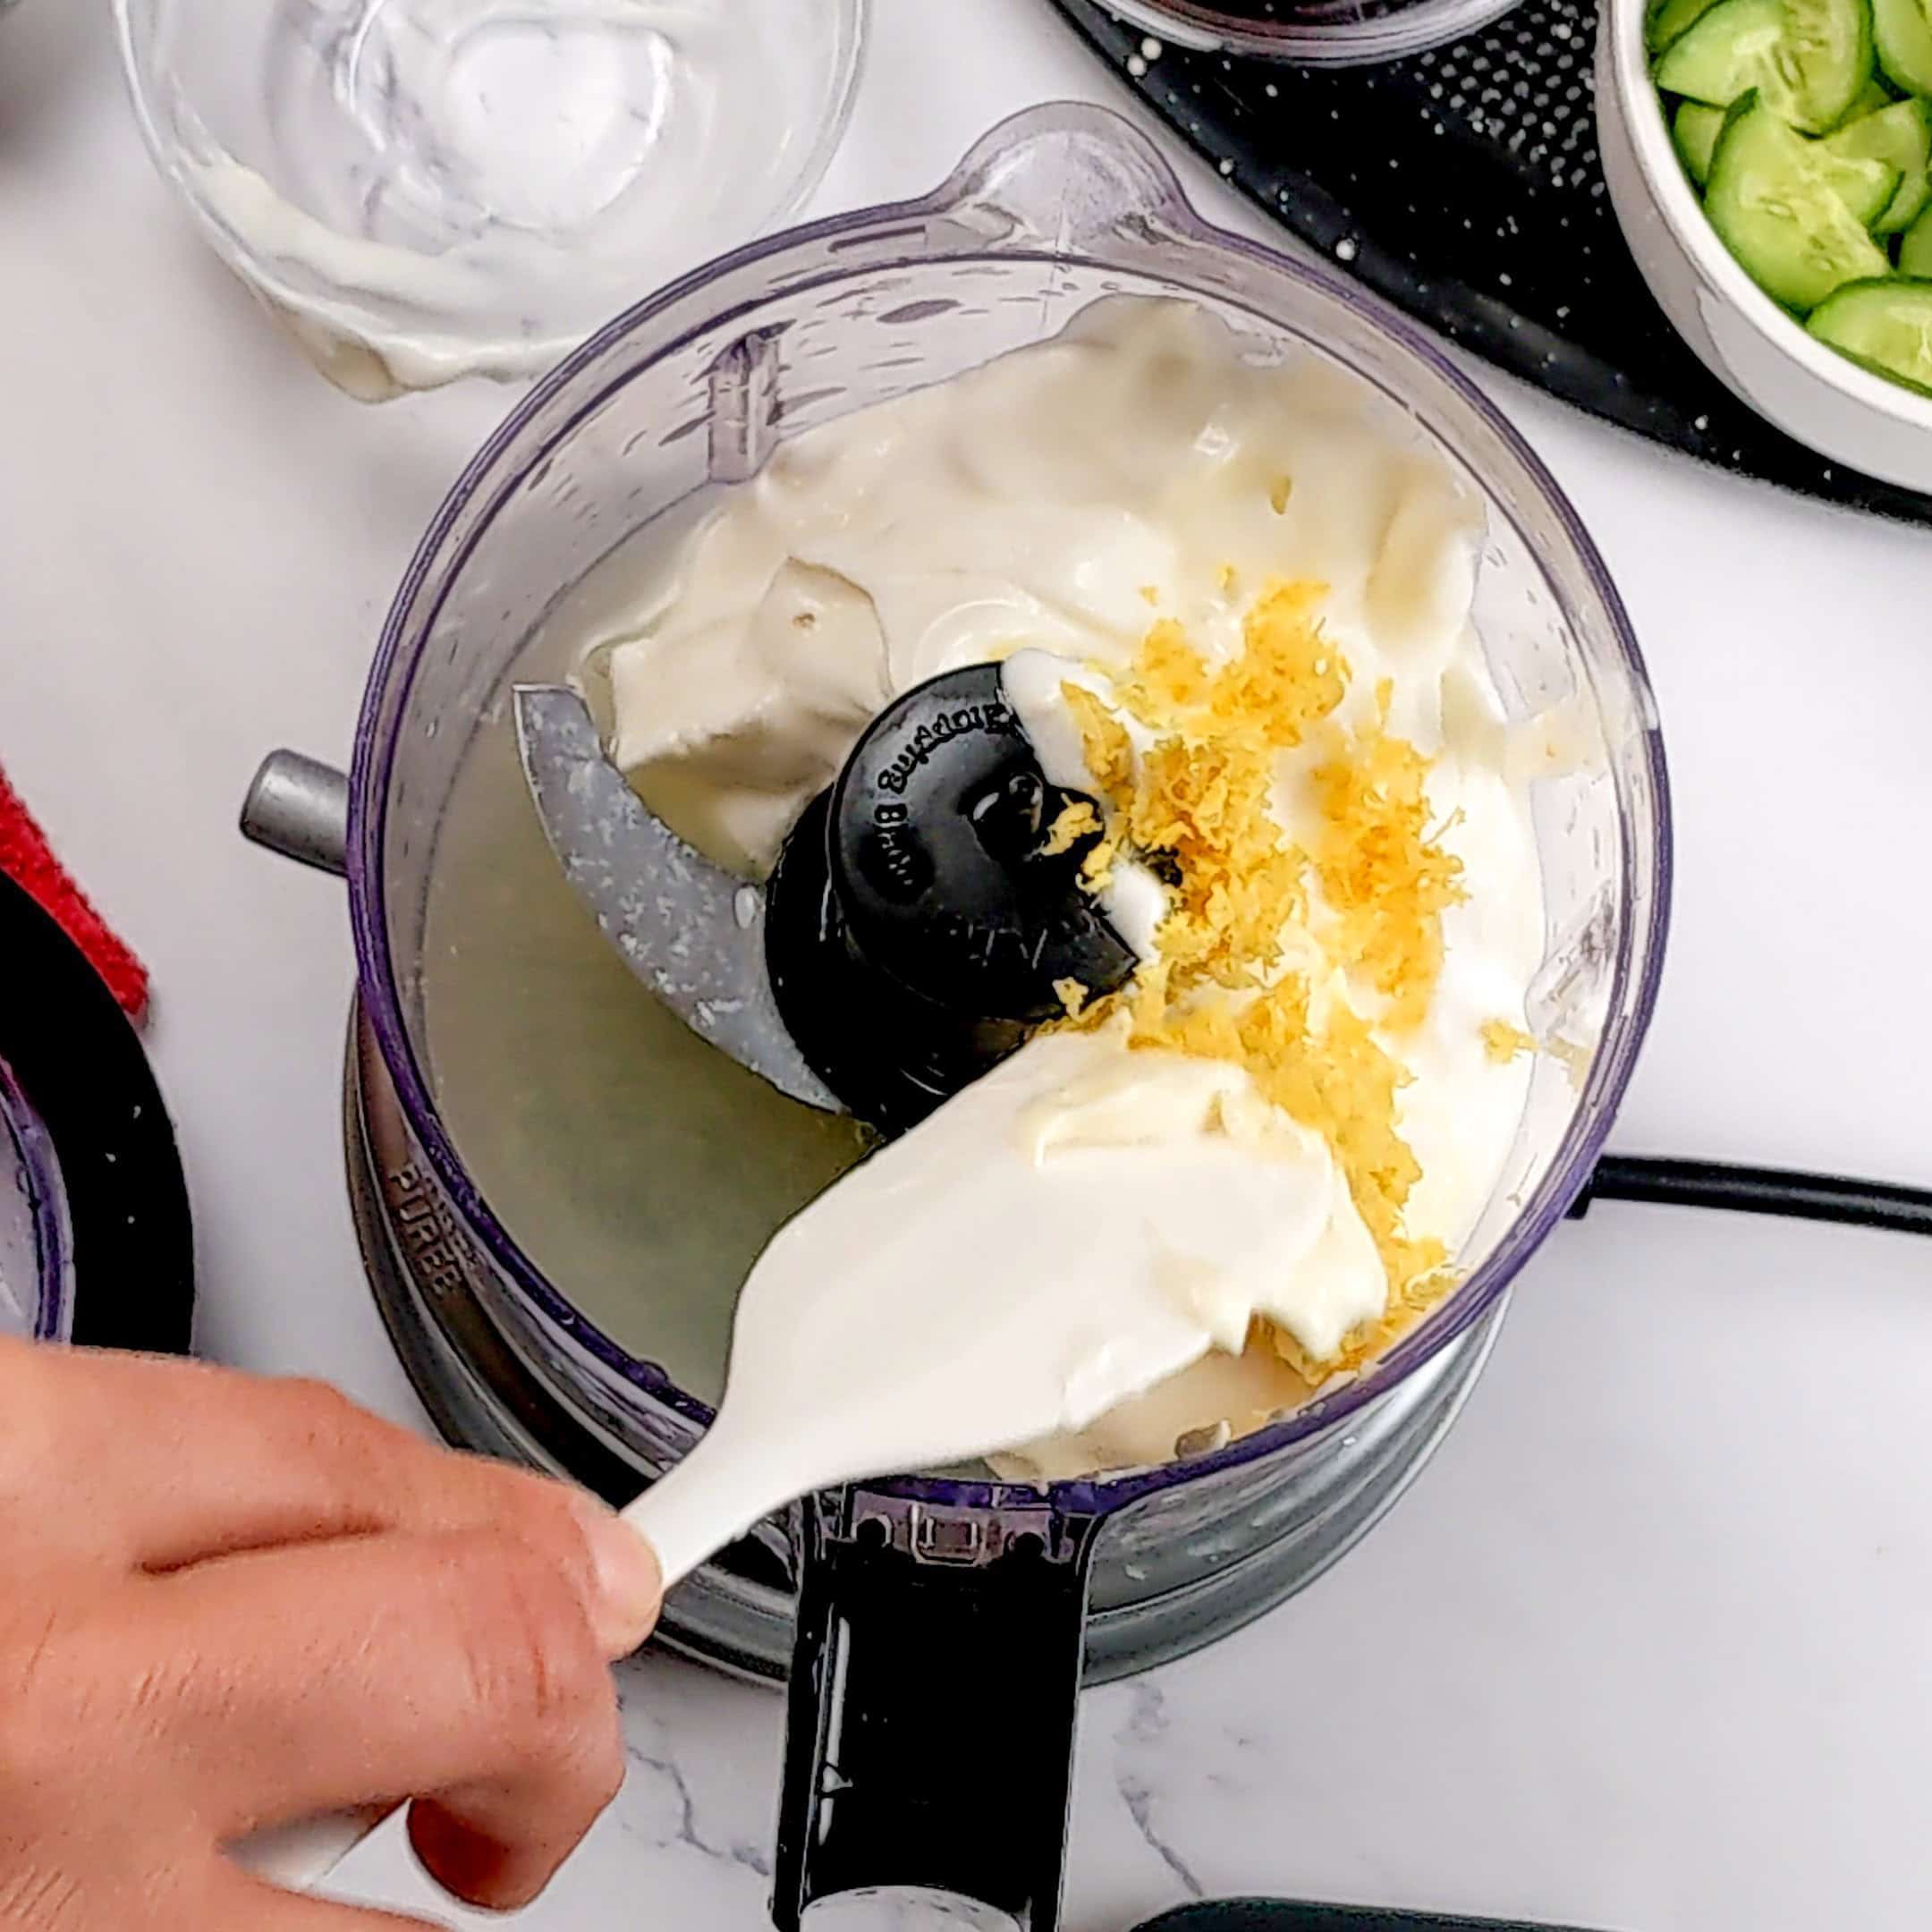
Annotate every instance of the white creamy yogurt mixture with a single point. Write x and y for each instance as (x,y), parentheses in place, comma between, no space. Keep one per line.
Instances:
(1045,510)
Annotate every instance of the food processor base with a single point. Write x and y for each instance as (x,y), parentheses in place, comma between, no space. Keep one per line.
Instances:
(739,1614)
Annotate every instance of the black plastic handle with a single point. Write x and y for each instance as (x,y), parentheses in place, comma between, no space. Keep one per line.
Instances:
(937,1660)
(1281,1915)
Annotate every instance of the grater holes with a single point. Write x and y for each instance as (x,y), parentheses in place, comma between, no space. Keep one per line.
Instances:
(1524,89)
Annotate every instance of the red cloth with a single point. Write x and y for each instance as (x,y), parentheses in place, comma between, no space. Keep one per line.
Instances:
(27,859)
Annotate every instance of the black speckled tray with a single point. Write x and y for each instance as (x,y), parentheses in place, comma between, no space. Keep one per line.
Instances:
(1465,186)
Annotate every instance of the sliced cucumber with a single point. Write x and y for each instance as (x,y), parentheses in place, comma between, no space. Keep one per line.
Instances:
(1668,18)
(1902,30)
(1809,59)
(1867,184)
(1696,129)
(1865,187)
(1873,96)
(1772,200)
(1886,325)
(1829,46)
(1901,136)
(1915,248)
(1725,53)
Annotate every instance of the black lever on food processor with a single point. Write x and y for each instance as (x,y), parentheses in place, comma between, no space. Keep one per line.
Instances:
(913,935)
(934,1689)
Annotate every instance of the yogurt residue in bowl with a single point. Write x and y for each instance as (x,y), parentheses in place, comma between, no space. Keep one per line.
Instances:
(1233,609)
(423,189)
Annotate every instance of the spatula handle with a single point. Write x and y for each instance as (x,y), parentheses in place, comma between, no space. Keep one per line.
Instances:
(712,1498)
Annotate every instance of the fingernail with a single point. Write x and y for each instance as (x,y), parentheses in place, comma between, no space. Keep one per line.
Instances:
(629,1583)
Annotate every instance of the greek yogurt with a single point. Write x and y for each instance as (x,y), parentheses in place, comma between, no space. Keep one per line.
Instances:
(1048,511)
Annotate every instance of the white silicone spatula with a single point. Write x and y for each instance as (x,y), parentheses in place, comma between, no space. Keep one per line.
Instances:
(953,1296)
(946,1300)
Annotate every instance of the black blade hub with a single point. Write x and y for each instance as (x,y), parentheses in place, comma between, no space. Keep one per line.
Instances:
(917,932)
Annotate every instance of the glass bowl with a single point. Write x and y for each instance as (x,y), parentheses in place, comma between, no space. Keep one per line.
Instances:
(1314,33)
(424,190)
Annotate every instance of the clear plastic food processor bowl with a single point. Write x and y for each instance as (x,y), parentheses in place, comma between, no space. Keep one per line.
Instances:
(602,1182)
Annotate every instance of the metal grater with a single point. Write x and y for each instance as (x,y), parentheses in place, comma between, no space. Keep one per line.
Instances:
(1463,185)
(1526,86)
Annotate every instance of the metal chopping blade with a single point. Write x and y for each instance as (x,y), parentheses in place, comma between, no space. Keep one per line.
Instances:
(692,932)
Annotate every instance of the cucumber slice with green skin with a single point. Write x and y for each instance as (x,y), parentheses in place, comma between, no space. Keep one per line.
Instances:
(1886,325)
(1867,184)
(1695,131)
(1772,202)
(1669,18)
(1724,54)
(1902,30)
(1915,248)
(1809,59)
(1872,96)
(1906,208)
(1901,136)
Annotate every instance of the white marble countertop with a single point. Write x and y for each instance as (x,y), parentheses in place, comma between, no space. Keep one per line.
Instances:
(1644,1649)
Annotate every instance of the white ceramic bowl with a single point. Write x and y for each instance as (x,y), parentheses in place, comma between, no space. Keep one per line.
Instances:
(1760,351)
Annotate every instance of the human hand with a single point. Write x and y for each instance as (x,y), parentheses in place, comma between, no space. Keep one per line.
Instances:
(230,1603)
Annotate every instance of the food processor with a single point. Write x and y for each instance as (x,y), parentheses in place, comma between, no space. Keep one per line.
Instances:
(559,1187)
